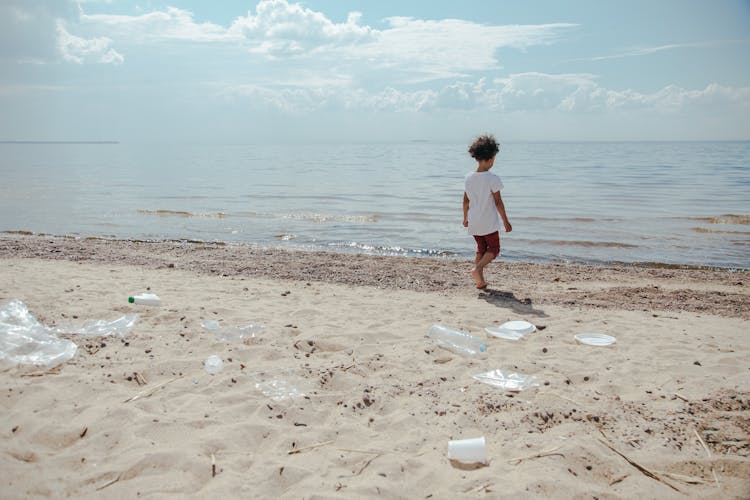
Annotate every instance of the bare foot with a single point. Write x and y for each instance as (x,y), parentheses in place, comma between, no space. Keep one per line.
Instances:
(477,277)
(482,285)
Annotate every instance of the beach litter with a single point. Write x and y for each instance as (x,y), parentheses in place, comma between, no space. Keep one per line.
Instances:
(510,381)
(232,333)
(468,450)
(213,364)
(24,340)
(273,386)
(119,327)
(511,330)
(145,299)
(595,339)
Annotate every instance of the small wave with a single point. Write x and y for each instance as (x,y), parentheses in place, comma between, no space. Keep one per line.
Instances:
(724,219)
(604,244)
(313,217)
(717,231)
(328,218)
(180,213)
(570,219)
(390,250)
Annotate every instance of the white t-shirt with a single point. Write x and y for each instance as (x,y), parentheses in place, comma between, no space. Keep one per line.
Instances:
(483,216)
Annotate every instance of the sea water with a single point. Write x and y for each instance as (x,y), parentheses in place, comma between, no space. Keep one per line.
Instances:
(663,202)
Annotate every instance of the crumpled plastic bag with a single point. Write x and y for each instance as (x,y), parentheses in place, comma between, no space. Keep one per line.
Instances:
(510,381)
(232,333)
(280,384)
(24,340)
(119,327)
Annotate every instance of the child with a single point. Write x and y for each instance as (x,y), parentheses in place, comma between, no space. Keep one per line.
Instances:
(482,203)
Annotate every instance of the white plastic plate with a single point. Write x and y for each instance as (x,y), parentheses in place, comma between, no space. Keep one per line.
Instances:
(511,330)
(595,339)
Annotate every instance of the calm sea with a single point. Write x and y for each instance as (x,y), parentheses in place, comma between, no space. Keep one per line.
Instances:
(671,203)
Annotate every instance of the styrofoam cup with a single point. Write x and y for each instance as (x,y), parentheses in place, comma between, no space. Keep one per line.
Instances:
(468,450)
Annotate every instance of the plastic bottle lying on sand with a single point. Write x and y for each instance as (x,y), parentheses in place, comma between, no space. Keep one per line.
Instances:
(457,341)
(145,299)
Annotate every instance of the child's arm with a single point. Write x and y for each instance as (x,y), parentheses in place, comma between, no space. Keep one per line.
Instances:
(466,210)
(501,209)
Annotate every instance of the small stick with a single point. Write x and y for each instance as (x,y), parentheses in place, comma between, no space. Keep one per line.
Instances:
(109,483)
(682,397)
(149,392)
(716,478)
(702,442)
(618,479)
(213,465)
(683,478)
(547,453)
(294,452)
(641,468)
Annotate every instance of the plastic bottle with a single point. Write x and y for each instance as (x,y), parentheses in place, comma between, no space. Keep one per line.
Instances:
(145,299)
(457,341)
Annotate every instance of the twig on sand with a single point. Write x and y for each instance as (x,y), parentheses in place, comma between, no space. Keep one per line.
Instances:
(683,478)
(677,395)
(213,465)
(708,452)
(311,447)
(109,483)
(618,479)
(638,466)
(149,392)
(546,453)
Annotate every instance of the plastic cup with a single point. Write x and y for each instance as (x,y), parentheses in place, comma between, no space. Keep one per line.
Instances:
(468,450)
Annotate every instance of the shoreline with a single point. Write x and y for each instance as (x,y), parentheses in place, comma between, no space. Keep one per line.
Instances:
(722,292)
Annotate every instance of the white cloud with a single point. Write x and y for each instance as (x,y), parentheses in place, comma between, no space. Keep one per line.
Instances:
(79,50)
(525,92)
(172,24)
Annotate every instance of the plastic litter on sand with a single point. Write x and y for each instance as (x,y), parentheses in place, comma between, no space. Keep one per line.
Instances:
(232,333)
(511,330)
(213,364)
(595,339)
(510,381)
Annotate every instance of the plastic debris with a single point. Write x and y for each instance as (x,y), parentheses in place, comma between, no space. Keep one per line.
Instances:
(272,385)
(24,340)
(213,364)
(232,333)
(510,381)
(119,327)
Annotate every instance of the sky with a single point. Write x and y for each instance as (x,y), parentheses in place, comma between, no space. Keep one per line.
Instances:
(251,71)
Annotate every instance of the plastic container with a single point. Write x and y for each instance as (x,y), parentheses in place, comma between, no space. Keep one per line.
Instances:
(457,341)
(145,299)
(468,450)
(213,364)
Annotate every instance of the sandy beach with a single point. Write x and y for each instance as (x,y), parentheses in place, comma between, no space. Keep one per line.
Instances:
(369,401)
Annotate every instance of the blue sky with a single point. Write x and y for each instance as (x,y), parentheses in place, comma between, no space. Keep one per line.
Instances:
(330,70)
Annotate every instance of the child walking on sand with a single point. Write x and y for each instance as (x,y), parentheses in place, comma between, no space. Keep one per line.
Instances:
(482,204)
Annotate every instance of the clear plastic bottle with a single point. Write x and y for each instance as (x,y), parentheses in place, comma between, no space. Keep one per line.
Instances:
(457,341)
(146,299)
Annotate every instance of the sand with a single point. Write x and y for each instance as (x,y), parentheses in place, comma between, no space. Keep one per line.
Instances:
(664,413)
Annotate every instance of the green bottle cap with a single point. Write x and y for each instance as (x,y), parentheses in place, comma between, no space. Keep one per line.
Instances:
(131,299)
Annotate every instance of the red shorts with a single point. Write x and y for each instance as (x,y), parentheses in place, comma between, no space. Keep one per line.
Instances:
(488,243)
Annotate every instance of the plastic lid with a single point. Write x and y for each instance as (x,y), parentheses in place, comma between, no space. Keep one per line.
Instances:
(131,299)
(482,347)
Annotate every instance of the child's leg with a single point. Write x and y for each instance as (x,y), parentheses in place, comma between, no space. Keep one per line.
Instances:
(488,247)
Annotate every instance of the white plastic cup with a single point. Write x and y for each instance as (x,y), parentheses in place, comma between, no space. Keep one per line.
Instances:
(468,450)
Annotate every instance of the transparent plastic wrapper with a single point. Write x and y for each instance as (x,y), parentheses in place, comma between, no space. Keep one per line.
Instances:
(213,364)
(280,385)
(24,340)
(119,327)
(232,333)
(510,381)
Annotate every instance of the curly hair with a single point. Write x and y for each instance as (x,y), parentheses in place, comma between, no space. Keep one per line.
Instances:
(485,147)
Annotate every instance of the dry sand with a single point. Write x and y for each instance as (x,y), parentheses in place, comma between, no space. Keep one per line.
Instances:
(665,413)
